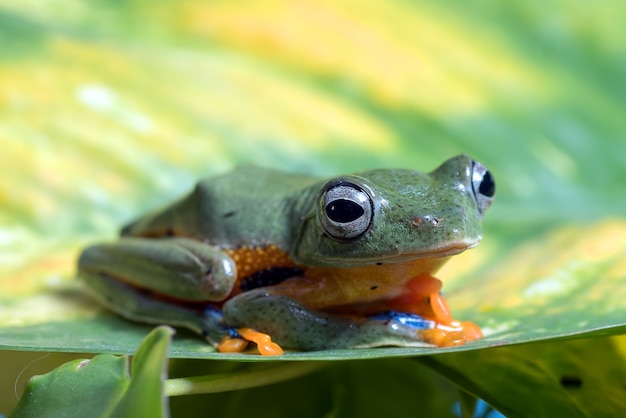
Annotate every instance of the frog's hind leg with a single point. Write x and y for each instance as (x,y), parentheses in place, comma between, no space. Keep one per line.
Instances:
(292,325)
(288,322)
(137,305)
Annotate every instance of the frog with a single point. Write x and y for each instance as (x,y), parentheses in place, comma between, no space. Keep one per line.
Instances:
(259,258)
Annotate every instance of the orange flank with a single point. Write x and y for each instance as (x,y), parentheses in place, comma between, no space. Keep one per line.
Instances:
(250,260)
(264,343)
(363,290)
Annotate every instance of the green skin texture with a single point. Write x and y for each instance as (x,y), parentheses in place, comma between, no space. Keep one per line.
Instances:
(252,207)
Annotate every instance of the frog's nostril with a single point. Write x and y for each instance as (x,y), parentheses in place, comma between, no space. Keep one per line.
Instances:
(419,221)
(436,221)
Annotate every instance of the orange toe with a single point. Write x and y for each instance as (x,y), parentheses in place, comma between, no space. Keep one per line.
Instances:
(264,342)
(440,308)
(471,331)
(452,334)
(232,345)
(424,285)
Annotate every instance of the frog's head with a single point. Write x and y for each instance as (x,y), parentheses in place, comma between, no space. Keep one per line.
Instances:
(394,215)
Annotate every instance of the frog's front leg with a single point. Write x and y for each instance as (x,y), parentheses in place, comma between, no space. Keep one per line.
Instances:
(163,281)
(293,325)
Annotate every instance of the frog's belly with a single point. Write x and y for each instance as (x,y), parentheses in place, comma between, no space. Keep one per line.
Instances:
(362,287)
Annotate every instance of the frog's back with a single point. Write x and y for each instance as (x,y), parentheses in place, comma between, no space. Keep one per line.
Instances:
(250,182)
(249,206)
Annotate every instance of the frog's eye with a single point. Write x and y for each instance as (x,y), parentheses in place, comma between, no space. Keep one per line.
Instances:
(483,185)
(346,210)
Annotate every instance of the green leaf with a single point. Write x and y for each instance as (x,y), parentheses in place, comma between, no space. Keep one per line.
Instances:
(111,109)
(101,387)
(145,395)
(395,387)
(77,388)
(467,404)
(260,376)
(582,378)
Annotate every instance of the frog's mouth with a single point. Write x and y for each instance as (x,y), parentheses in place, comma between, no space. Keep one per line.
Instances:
(431,253)
(439,254)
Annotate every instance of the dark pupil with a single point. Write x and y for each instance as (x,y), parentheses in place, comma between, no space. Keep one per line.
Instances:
(344,211)
(487,186)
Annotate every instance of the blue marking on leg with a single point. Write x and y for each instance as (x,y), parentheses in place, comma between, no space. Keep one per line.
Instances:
(213,319)
(213,313)
(408,319)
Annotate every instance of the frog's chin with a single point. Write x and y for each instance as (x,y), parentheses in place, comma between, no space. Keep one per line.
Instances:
(436,254)
(430,253)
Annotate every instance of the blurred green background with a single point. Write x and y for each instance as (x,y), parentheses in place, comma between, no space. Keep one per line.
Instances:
(110,108)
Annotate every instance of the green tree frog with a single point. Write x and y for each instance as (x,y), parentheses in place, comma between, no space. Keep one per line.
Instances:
(288,260)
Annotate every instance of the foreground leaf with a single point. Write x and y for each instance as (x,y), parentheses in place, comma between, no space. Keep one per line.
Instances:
(101,387)
(77,388)
(145,395)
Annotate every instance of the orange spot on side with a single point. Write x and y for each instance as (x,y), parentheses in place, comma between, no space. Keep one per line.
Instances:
(264,342)
(232,345)
(249,260)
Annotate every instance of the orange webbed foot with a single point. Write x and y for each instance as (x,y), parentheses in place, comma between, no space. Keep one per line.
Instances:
(264,343)
(423,298)
(232,345)
(456,333)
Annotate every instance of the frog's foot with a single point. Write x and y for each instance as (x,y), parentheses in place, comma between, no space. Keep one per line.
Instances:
(415,328)
(453,334)
(232,345)
(241,338)
(424,299)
